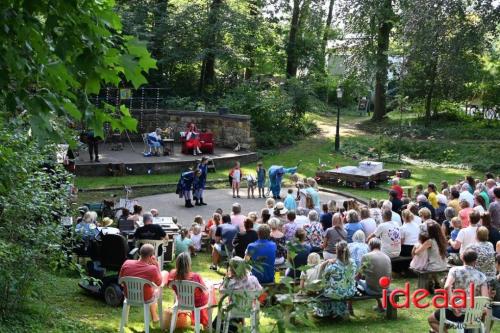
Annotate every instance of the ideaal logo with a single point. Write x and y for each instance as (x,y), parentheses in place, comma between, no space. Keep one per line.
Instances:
(441,298)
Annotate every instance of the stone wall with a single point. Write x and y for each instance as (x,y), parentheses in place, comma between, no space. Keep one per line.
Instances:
(228,129)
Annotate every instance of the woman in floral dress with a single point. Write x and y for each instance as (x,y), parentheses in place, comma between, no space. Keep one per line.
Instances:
(340,284)
(314,231)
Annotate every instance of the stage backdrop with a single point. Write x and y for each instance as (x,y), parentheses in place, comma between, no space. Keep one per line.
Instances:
(228,129)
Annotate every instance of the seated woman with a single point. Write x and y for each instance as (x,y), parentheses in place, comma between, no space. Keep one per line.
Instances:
(301,250)
(310,279)
(193,139)
(358,248)
(155,141)
(436,250)
(279,238)
(136,216)
(183,271)
(340,284)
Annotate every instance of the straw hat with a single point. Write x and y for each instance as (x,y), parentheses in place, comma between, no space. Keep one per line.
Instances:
(106,222)
(280,209)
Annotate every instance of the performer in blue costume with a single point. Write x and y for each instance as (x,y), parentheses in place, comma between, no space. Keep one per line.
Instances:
(276,173)
(201,181)
(185,186)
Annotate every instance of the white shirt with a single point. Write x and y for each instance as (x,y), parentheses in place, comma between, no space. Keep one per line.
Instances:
(409,233)
(376,214)
(416,219)
(396,218)
(109,230)
(466,237)
(479,209)
(466,195)
(390,237)
(301,220)
(369,225)
(196,241)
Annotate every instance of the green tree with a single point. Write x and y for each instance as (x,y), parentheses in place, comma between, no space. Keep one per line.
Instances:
(54,54)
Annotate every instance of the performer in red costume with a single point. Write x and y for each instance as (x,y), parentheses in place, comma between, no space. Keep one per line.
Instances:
(193,139)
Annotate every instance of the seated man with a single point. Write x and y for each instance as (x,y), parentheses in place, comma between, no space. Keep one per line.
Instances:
(374,265)
(146,267)
(149,230)
(460,277)
(155,141)
(224,236)
(262,254)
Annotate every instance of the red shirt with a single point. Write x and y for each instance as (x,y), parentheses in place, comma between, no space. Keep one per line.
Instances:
(200,298)
(140,269)
(399,191)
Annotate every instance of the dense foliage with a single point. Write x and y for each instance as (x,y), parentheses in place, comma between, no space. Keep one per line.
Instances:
(54,54)
(33,194)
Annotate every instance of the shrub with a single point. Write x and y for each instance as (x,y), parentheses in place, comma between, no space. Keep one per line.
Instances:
(33,193)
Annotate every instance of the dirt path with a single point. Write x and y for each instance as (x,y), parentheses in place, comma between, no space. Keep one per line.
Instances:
(348,126)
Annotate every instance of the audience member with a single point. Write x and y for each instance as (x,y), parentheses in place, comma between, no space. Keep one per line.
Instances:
(310,279)
(494,234)
(340,284)
(224,235)
(432,195)
(368,223)
(457,225)
(494,209)
(375,211)
(262,254)
(301,217)
(237,218)
(455,201)
(314,231)
(460,277)
(449,213)
(149,230)
(290,226)
(485,262)
(301,252)
(424,203)
(333,235)
(395,217)
(397,188)
(466,236)
(466,195)
(183,243)
(183,272)
(326,217)
(409,233)
(389,235)
(358,247)
(396,203)
(374,265)
(242,239)
(278,238)
(464,213)
(146,267)
(352,225)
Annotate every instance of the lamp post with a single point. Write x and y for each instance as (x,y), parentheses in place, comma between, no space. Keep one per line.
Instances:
(340,92)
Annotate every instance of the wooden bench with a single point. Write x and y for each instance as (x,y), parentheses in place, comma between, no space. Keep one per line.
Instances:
(425,276)
(391,312)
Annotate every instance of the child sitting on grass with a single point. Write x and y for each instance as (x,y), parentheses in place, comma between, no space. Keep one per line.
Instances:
(196,236)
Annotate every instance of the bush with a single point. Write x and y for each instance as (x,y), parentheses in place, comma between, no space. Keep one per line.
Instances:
(32,197)
(277,111)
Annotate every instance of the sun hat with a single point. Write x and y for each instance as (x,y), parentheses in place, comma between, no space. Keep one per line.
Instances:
(280,209)
(106,222)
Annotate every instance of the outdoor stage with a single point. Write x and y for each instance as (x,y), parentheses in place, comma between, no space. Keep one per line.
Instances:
(135,163)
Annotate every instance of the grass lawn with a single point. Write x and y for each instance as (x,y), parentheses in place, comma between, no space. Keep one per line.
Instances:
(64,307)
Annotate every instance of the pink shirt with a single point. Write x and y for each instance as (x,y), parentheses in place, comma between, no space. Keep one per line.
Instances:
(464,216)
(238,221)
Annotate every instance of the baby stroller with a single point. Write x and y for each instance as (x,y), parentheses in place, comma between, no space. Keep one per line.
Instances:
(107,253)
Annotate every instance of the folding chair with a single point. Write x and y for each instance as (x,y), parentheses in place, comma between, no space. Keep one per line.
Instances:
(472,318)
(157,244)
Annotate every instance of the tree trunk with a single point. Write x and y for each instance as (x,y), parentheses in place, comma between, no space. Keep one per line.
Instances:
(291,51)
(329,18)
(249,48)
(430,92)
(382,61)
(207,75)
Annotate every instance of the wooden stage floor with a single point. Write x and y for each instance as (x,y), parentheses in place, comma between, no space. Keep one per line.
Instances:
(132,156)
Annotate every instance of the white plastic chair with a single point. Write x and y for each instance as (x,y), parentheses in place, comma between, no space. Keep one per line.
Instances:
(490,319)
(184,300)
(472,318)
(156,244)
(242,304)
(135,297)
